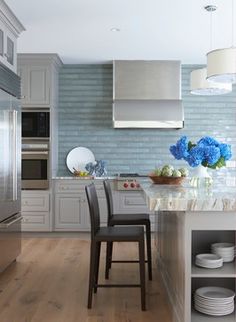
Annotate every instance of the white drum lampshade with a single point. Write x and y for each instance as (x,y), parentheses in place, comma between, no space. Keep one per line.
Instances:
(221,65)
(201,86)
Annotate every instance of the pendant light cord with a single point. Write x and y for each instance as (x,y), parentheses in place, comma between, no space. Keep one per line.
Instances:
(232,23)
(211,37)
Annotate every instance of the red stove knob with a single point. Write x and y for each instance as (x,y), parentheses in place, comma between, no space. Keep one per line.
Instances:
(126,185)
(132,185)
(137,185)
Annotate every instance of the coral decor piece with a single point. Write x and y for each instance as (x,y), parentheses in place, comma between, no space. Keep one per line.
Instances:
(97,169)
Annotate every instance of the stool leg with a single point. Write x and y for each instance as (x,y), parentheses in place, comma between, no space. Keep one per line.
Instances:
(110,256)
(97,260)
(91,273)
(142,273)
(108,252)
(149,250)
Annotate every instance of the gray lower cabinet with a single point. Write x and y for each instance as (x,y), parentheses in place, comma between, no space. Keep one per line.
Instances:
(35,208)
(71,211)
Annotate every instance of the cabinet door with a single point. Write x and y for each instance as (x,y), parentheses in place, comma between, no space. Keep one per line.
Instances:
(70,213)
(35,85)
(7,47)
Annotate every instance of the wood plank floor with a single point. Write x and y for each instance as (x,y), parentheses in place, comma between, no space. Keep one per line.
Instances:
(48,283)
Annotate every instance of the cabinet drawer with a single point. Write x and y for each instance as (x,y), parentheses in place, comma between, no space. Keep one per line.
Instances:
(68,186)
(35,221)
(77,186)
(131,202)
(34,202)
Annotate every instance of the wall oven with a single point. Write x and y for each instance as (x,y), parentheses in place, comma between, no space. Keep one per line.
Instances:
(35,124)
(35,166)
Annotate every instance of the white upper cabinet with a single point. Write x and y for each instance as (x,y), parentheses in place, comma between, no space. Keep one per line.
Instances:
(39,79)
(10,29)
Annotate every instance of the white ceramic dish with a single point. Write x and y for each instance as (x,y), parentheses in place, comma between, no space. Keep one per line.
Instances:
(209,260)
(215,293)
(78,157)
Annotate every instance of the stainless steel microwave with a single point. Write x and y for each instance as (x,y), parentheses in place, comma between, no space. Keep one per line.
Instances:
(35,166)
(35,124)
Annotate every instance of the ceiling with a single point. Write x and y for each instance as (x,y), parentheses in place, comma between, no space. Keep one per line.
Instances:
(79,30)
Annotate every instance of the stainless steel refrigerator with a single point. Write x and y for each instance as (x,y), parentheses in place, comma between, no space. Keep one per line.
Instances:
(10,178)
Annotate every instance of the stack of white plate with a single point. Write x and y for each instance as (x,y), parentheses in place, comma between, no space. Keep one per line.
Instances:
(209,260)
(217,301)
(224,250)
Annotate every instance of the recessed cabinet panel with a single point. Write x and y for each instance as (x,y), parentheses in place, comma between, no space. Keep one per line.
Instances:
(132,202)
(10,51)
(35,86)
(35,221)
(7,47)
(34,202)
(70,212)
(38,82)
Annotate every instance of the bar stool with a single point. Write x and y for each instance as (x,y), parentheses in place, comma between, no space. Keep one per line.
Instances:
(126,219)
(111,234)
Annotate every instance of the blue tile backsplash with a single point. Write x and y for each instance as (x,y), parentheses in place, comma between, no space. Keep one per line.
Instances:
(85,119)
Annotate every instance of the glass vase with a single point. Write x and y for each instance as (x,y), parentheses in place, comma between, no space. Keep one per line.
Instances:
(201,178)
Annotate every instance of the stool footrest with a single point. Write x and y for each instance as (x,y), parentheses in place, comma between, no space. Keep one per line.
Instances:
(117,285)
(126,261)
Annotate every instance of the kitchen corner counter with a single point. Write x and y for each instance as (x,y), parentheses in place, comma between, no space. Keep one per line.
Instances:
(183,198)
(82,178)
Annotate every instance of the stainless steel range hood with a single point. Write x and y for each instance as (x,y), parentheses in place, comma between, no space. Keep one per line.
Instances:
(147,94)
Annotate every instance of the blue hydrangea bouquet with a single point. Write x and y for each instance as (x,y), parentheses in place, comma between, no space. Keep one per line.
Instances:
(207,152)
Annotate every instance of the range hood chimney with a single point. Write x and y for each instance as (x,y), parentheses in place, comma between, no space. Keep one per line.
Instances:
(147,94)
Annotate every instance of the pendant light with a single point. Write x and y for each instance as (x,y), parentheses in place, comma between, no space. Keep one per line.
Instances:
(199,85)
(221,63)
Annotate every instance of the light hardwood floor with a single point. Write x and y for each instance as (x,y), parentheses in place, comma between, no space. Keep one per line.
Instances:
(48,283)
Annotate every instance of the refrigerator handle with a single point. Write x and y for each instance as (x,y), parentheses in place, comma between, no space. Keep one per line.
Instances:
(14,154)
(10,221)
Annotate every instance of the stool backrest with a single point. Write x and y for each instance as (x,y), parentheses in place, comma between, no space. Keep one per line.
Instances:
(93,208)
(108,193)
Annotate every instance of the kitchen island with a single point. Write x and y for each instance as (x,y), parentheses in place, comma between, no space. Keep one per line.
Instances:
(188,221)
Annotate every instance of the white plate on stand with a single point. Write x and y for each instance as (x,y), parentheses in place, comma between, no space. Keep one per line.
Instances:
(78,157)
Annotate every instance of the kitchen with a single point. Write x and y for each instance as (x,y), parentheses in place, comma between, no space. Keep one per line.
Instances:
(77,95)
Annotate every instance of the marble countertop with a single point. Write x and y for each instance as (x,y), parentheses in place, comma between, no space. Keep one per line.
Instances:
(82,178)
(187,198)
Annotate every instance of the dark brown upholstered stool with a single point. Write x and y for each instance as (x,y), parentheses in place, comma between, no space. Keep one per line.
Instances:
(111,234)
(126,219)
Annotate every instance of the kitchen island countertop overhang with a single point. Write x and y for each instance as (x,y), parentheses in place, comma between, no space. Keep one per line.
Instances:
(184,198)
